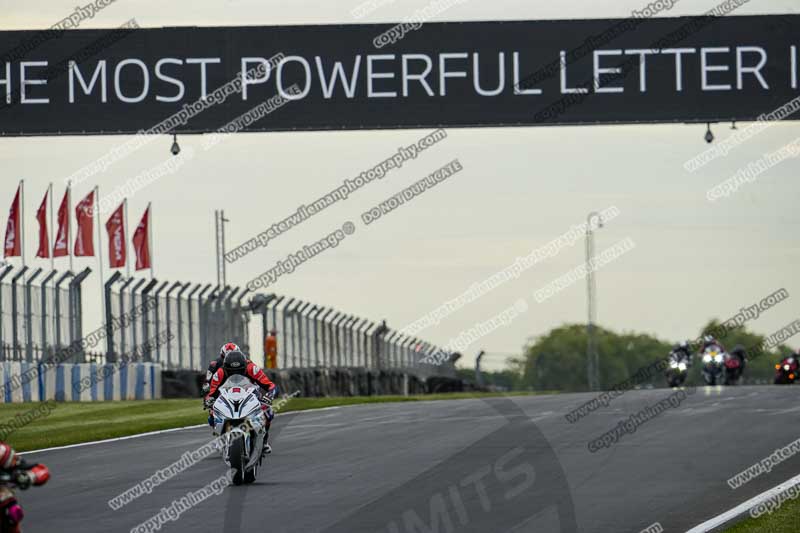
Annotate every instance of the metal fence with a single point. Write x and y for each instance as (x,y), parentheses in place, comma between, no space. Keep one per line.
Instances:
(310,335)
(40,313)
(180,325)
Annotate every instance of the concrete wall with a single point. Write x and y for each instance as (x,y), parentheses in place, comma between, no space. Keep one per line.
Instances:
(314,382)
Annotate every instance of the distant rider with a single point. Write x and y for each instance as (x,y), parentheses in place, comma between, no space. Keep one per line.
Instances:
(236,363)
(709,340)
(683,352)
(217,363)
(23,475)
(741,354)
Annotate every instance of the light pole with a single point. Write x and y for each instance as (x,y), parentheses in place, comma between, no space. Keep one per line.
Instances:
(592,359)
(219,231)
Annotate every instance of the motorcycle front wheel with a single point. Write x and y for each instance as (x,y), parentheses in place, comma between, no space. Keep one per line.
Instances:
(236,455)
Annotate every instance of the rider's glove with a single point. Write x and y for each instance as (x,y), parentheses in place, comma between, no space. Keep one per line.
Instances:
(23,479)
(270,395)
(205,388)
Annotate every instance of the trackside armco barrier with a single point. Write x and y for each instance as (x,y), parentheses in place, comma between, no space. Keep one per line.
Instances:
(83,382)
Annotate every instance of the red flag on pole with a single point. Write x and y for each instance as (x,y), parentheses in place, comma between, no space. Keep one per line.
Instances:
(13,247)
(115,226)
(84,242)
(44,238)
(61,246)
(141,242)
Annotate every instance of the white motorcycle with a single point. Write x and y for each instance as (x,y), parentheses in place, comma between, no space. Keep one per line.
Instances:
(239,418)
(713,358)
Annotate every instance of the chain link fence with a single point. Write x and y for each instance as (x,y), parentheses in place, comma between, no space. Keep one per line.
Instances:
(40,313)
(181,325)
(314,336)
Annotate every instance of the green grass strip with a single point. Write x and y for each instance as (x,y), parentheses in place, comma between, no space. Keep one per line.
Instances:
(785,519)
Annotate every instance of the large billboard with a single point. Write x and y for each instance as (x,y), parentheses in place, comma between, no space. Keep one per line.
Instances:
(370,76)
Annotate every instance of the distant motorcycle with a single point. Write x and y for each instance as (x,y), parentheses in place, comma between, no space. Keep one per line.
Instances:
(22,477)
(240,419)
(733,369)
(786,371)
(713,358)
(677,369)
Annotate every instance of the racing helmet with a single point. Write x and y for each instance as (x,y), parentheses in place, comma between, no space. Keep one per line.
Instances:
(235,363)
(228,347)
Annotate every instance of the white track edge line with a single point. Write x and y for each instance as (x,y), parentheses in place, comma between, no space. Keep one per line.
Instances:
(150,433)
(742,508)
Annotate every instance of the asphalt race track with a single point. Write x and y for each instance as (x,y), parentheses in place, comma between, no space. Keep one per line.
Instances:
(473,465)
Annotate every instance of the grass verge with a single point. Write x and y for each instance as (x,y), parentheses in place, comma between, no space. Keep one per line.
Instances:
(76,422)
(785,519)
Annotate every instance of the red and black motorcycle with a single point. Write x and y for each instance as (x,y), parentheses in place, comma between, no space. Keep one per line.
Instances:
(786,371)
(22,476)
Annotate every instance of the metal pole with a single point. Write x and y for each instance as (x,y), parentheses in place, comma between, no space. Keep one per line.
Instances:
(592,360)
(179,298)
(222,221)
(125,231)
(76,309)
(134,344)
(122,329)
(22,219)
(202,322)
(14,313)
(169,326)
(50,233)
(111,356)
(146,354)
(29,317)
(57,313)
(189,299)
(69,224)
(43,296)
(150,237)
(99,248)
(216,245)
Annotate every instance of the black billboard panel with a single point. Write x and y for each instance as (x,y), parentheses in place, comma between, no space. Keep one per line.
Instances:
(370,76)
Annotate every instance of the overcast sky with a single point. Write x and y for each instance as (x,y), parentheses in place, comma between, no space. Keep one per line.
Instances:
(520,188)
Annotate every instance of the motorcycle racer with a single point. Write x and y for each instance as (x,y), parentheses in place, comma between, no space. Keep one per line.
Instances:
(683,352)
(235,362)
(16,473)
(216,364)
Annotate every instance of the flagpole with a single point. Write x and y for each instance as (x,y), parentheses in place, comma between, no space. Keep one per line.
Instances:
(69,223)
(125,223)
(150,237)
(50,234)
(100,256)
(22,219)
(51,244)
